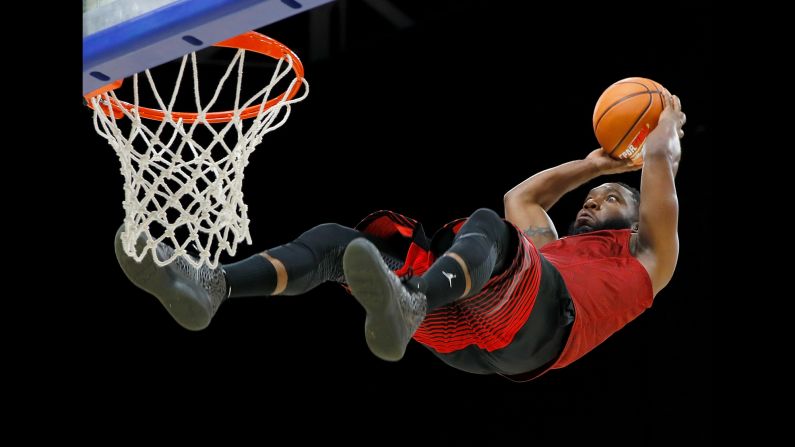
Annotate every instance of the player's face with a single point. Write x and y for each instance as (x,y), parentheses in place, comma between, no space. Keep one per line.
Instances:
(606,207)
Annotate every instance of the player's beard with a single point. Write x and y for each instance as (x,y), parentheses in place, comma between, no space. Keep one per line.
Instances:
(618,223)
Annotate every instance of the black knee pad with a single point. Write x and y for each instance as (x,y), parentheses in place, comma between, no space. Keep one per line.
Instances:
(479,255)
(315,257)
(328,235)
(500,234)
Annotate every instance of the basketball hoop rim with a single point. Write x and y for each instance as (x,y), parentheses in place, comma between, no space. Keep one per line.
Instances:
(251,41)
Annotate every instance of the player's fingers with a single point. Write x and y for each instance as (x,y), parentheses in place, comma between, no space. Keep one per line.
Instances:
(684,119)
(666,99)
(677,103)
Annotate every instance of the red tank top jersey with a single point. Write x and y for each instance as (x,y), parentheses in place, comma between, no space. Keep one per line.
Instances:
(608,285)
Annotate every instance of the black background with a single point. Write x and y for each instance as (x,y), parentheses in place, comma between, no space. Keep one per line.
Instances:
(434,121)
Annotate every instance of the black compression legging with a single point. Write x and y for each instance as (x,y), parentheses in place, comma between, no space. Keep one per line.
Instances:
(316,257)
(483,244)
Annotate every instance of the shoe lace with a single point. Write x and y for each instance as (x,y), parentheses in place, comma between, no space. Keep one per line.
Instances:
(415,305)
(408,275)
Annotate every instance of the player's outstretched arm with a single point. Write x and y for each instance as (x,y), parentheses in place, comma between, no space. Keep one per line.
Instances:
(657,246)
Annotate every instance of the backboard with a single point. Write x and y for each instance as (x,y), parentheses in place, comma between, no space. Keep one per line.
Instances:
(124,37)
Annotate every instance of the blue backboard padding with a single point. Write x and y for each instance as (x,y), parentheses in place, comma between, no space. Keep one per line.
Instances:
(156,37)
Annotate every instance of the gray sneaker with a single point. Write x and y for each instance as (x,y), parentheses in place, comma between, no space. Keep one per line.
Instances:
(393,313)
(189,294)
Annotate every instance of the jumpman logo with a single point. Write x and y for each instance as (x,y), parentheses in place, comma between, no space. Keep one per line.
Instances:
(449,277)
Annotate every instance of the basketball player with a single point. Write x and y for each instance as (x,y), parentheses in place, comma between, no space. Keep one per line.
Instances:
(486,295)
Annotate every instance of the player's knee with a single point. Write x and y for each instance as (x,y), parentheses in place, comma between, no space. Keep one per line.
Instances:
(328,235)
(486,221)
(486,215)
(498,232)
(327,231)
(330,229)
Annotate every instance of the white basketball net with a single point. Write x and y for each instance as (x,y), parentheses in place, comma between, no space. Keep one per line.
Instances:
(191,192)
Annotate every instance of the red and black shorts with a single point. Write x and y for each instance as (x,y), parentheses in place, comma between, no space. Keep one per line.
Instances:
(517,325)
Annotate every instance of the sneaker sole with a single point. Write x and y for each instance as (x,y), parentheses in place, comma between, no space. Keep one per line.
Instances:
(175,294)
(371,287)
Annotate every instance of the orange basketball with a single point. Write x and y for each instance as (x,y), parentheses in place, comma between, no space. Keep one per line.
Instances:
(625,114)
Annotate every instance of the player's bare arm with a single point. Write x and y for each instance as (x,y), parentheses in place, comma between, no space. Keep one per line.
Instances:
(657,242)
(526,205)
